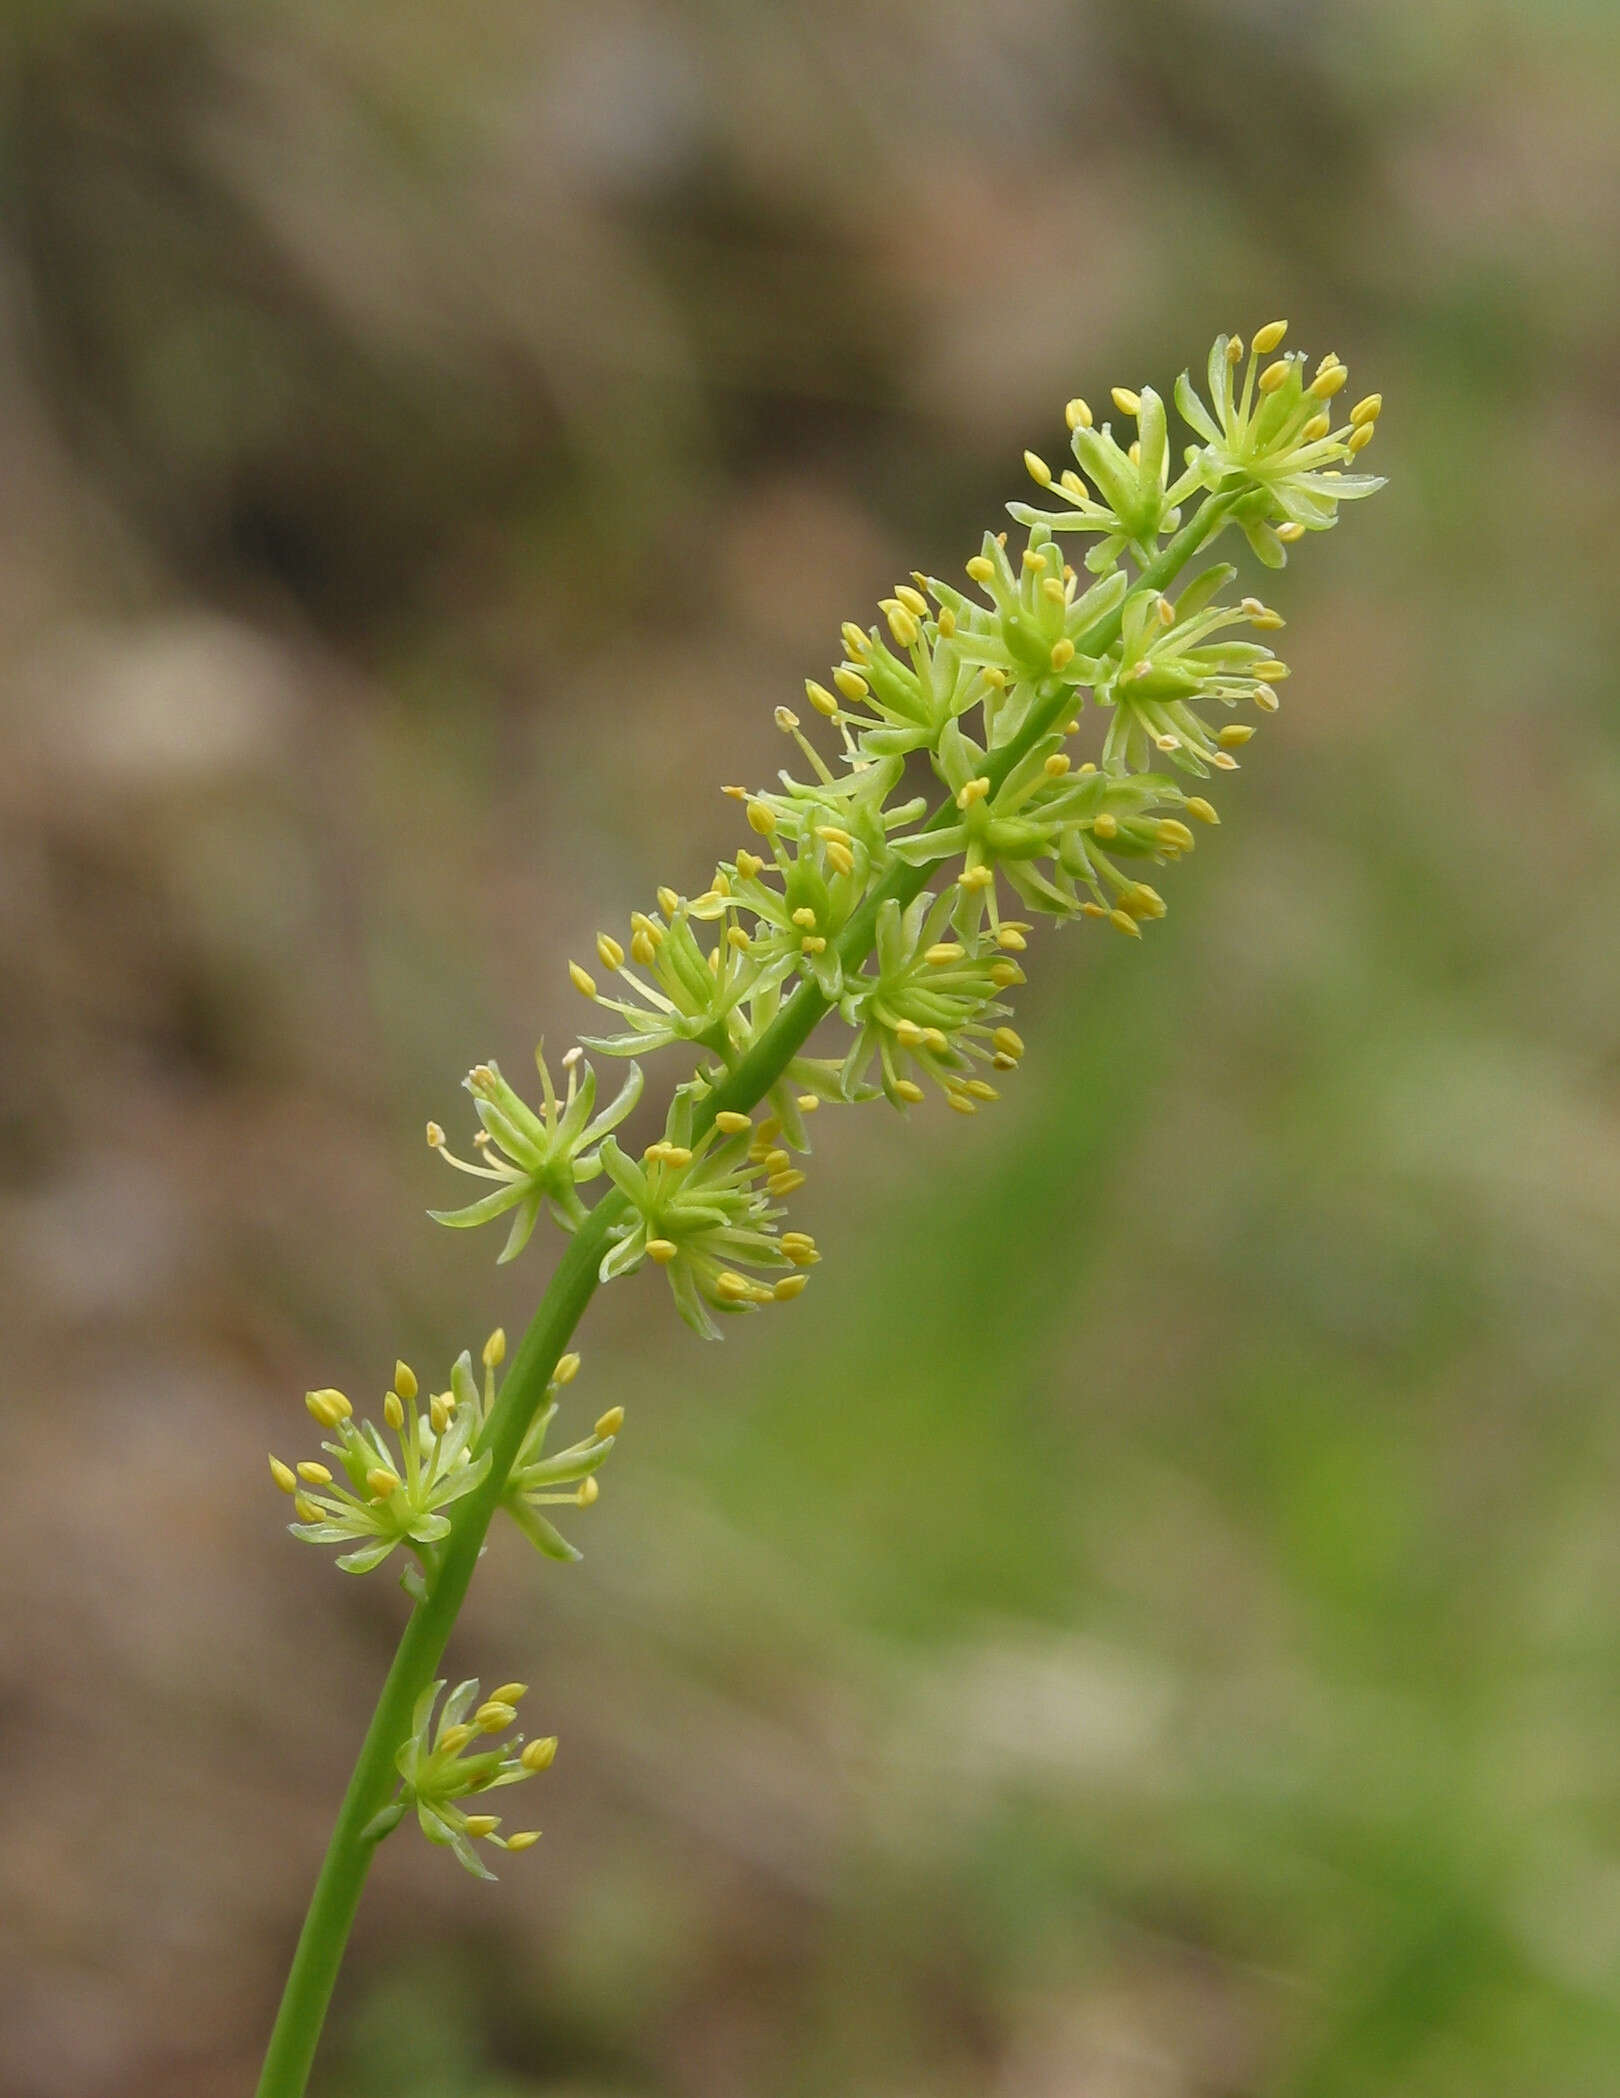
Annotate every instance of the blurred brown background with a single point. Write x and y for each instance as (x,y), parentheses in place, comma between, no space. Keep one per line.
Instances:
(1148,1623)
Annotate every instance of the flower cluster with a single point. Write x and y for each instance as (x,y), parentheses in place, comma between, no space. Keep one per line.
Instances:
(853,903)
(444,1762)
(394,1492)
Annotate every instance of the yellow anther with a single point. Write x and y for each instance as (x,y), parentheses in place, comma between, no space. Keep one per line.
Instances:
(494,1716)
(1174,836)
(1203,810)
(807,1103)
(804,917)
(539,1755)
(857,642)
(761,819)
(902,624)
(441,1411)
(1291,531)
(1106,825)
(748,864)
(908,1089)
(786,720)
(393,1411)
(1360,438)
(976,878)
(1235,736)
(495,1349)
(1038,470)
(1077,415)
(731,1287)
(284,1475)
(1328,381)
(567,1369)
(454,1738)
(1267,338)
(730,1122)
(643,947)
(1008,1040)
(523,1839)
(405,1380)
(1275,375)
(1145,902)
(981,568)
(582,980)
(787,1286)
(769,1130)
(1167,741)
(305,1509)
(481,1824)
(1262,616)
(1367,410)
(840,858)
(676,1155)
(1125,401)
(1093,910)
(1032,561)
(1122,921)
(813,943)
(328,1406)
(993,674)
(668,902)
(382,1482)
(1011,938)
(610,1423)
(1234,350)
(662,1250)
(911,598)
(1005,974)
(850,682)
(973,790)
(944,951)
(435,1137)
(609,952)
(800,1248)
(980,1088)
(935,1038)
(960,1101)
(588,1492)
(509,1694)
(1133,452)
(946,622)
(1224,761)
(1062,652)
(1053,591)
(1318,426)
(777,1161)
(820,698)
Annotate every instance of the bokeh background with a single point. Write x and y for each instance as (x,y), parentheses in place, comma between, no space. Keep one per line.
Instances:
(1148,1623)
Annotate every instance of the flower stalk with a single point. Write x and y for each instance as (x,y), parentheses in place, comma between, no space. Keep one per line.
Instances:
(827,913)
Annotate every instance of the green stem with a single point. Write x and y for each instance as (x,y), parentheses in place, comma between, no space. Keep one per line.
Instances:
(337,1892)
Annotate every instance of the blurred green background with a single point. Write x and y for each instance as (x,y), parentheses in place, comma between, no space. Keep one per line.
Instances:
(1148,1623)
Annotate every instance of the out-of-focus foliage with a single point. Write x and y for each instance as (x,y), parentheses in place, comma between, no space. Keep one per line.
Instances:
(1186,1658)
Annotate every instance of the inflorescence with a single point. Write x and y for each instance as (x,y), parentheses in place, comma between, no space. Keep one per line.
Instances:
(850,900)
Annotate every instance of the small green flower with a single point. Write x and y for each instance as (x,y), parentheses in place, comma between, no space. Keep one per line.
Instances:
(1169,659)
(1276,434)
(442,1765)
(534,1478)
(1025,639)
(535,1158)
(391,1499)
(687,993)
(702,1211)
(931,1008)
(1134,503)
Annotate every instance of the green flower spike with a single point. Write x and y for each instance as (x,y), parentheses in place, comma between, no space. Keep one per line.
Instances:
(1277,433)
(442,1765)
(699,1212)
(390,1499)
(535,1158)
(534,1479)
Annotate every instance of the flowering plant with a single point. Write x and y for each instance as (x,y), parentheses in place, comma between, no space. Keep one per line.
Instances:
(854,904)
